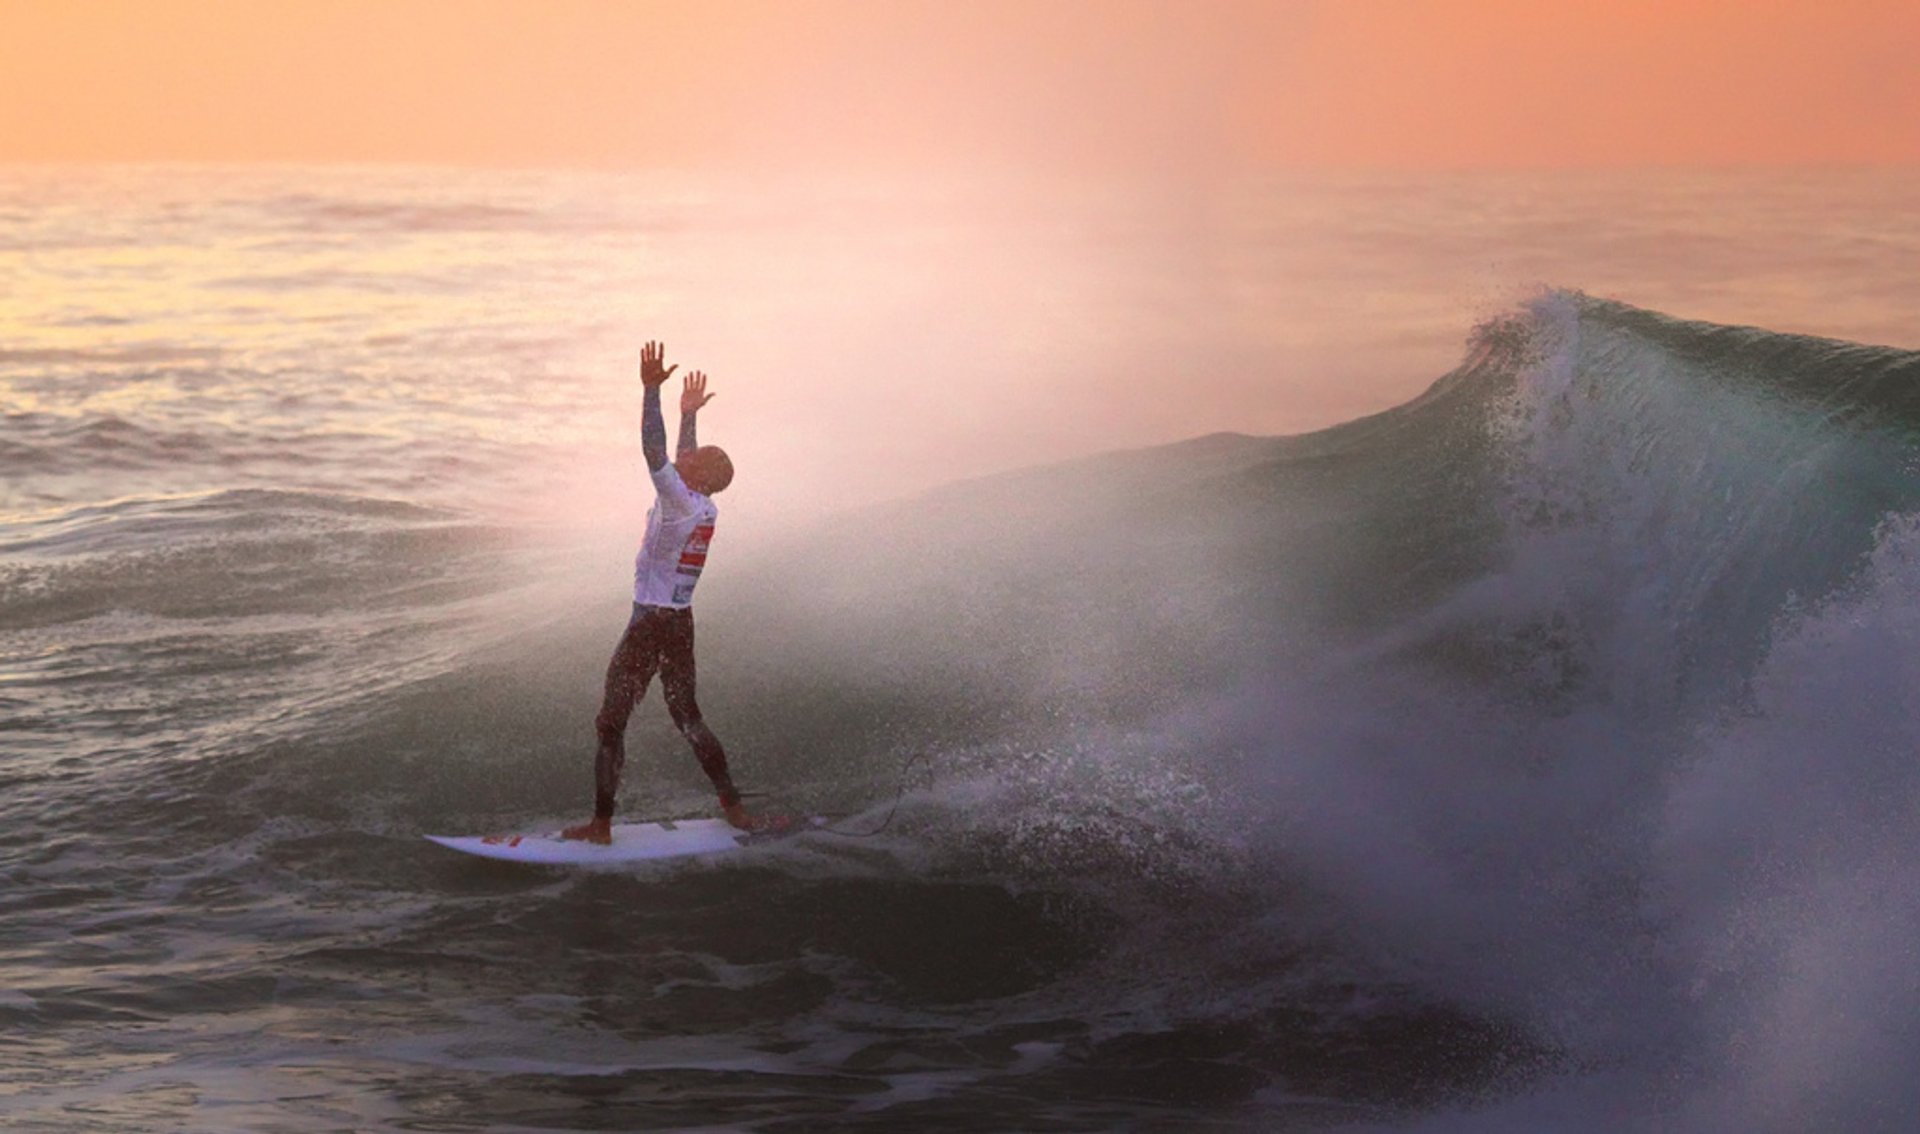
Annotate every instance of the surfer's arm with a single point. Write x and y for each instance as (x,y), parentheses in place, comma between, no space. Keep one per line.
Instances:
(653,430)
(693,395)
(653,427)
(686,444)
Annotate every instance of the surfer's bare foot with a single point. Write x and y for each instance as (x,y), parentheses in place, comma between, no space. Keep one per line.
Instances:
(593,831)
(737,815)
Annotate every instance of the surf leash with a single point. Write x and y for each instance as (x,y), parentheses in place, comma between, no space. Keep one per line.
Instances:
(898,796)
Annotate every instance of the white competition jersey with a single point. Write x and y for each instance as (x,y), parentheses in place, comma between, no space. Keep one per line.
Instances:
(679,528)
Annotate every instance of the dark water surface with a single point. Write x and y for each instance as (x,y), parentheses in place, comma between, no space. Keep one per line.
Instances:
(1536,754)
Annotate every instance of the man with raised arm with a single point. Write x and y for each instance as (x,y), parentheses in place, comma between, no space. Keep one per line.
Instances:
(659,636)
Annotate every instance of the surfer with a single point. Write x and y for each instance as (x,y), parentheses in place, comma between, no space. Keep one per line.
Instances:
(659,635)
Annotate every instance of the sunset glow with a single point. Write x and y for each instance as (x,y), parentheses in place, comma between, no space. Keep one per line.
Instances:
(871,84)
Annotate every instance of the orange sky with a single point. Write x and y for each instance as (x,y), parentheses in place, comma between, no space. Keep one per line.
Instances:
(1092,84)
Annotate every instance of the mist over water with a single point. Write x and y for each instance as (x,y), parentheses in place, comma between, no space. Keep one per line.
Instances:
(1526,748)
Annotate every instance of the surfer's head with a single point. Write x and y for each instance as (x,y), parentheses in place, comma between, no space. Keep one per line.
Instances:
(706,470)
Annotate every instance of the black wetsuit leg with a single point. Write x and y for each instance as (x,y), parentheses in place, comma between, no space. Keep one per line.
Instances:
(657,639)
(677,680)
(629,673)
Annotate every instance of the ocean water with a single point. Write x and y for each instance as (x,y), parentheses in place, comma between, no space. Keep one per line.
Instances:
(1357,653)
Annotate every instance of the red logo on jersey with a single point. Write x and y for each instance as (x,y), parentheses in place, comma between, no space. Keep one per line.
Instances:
(694,555)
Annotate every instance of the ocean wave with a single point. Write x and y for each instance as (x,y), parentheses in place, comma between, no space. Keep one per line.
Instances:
(133,355)
(385,283)
(1463,670)
(323,213)
(1551,721)
(231,552)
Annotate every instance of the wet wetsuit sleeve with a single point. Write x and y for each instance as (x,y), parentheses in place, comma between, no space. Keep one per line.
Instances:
(653,430)
(675,496)
(686,444)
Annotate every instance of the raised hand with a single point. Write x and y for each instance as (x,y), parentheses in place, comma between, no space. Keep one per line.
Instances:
(693,394)
(652,374)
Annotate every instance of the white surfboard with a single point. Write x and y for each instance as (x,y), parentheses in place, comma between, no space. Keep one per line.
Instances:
(632,842)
